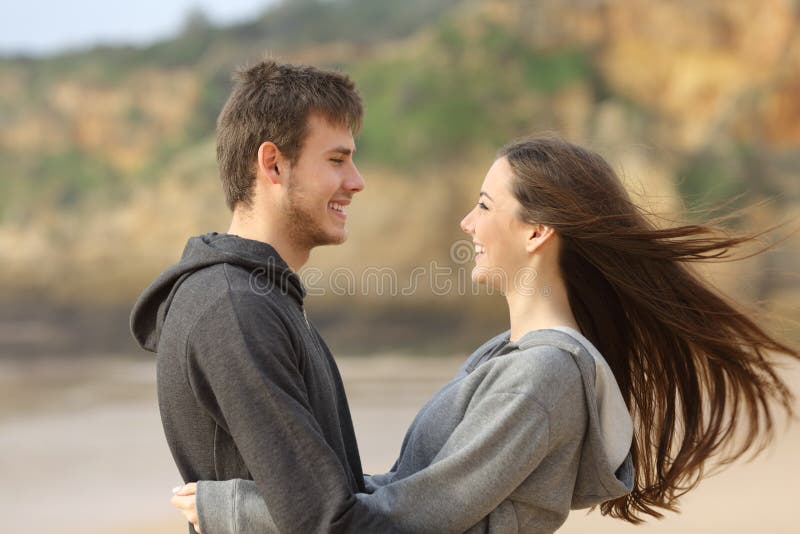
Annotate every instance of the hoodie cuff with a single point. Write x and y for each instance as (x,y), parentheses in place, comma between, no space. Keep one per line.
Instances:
(215,503)
(232,507)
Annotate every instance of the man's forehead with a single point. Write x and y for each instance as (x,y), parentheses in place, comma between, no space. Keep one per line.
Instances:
(318,121)
(331,136)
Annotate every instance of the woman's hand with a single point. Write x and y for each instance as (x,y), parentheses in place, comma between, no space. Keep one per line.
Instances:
(185,501)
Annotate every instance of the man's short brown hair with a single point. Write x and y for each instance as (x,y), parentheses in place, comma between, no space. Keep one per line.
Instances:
(272,102)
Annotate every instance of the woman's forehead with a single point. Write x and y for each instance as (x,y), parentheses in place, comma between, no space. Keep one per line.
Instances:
(497,178)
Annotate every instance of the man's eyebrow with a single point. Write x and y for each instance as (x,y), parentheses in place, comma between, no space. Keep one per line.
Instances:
(343,150)
(485,194)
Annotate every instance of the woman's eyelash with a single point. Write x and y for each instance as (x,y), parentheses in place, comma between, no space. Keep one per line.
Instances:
(482,206)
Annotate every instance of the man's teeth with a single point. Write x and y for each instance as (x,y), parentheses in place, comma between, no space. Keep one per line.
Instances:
(337,207)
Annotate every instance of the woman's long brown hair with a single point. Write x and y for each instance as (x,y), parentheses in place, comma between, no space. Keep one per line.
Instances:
(695,368)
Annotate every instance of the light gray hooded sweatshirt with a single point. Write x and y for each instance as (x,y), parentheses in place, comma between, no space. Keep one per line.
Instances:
(524,432)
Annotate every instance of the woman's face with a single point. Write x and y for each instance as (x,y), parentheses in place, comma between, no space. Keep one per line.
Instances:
(497,232)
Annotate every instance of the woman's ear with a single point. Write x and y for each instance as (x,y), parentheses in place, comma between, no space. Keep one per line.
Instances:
(538,235)
(270,162)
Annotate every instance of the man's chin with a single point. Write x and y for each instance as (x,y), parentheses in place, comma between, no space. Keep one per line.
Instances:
(330,239)
(338,240)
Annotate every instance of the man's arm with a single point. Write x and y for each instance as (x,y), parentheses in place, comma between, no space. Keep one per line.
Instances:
(244,369)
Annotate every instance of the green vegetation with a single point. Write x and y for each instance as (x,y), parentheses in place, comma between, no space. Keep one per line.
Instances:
(551,72)
(706,178)
(416,114)
(543,71)
(214,89)
(296,23)
(417,111)
(70,175)
(712,178)
(60,178)
(456,87)
(420,112)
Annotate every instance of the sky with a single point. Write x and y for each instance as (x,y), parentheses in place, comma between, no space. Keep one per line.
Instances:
(42,27)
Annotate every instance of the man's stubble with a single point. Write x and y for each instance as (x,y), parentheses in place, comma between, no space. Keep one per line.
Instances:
(304,229)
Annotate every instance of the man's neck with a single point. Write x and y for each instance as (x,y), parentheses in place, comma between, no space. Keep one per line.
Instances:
(249,227)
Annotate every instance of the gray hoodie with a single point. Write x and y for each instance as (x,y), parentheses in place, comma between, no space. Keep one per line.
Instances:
(524,432)
(246,386)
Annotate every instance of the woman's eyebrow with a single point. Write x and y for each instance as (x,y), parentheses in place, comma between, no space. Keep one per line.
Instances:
(485,194)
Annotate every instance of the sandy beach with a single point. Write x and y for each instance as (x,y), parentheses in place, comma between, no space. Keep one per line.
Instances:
(82,450)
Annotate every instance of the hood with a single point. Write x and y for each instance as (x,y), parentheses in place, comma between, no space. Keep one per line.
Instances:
(606,468)
(200,252)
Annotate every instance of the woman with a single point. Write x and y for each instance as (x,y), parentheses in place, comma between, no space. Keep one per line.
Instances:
(606,319)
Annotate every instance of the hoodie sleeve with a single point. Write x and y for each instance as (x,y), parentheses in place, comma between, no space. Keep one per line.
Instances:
(524,408)
(497,445)
(243,367)
(500,441)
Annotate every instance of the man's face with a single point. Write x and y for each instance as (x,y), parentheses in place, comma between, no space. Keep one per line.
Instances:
(321,184)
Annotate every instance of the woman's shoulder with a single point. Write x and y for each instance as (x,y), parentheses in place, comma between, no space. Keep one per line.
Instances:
(546,373)
(558,350)
(481,352)
(542,362)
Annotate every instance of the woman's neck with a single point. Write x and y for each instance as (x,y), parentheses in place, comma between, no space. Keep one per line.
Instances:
(545,307)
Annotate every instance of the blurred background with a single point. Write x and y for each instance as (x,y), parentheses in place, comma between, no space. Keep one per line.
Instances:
(107,165)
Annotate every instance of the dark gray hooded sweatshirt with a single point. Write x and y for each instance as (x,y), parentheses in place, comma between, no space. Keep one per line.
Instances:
(246,386)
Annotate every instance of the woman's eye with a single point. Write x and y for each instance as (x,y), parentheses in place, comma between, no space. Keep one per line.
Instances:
(482,206)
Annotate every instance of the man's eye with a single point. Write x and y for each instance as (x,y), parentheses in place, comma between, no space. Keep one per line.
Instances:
(337,161)
(482,206)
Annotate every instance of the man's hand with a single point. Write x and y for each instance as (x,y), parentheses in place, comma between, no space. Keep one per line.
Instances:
(185,501)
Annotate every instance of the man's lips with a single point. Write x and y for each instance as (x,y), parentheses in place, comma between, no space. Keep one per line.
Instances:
(338,207)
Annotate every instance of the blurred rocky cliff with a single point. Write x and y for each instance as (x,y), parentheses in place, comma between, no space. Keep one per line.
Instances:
(107,154)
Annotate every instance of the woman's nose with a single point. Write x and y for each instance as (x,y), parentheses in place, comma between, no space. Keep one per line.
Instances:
(466,223)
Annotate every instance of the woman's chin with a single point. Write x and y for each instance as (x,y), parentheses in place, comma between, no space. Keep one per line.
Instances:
(494,279)
(482,278)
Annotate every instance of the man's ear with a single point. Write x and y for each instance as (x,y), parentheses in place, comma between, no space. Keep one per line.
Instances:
(270,163)
(538,235)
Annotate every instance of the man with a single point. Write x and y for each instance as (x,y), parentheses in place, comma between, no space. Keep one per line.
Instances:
(247,387)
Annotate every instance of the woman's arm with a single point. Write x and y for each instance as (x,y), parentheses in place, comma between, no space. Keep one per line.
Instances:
(501,439)
(229,506)
(232,506)
(522,408)
(373,482)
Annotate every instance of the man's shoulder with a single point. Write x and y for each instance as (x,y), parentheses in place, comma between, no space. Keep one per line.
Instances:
(219,276)
(223,293)
(235,283)
(241,322)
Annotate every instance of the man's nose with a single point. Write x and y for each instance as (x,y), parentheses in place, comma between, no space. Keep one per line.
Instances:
(355,182)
